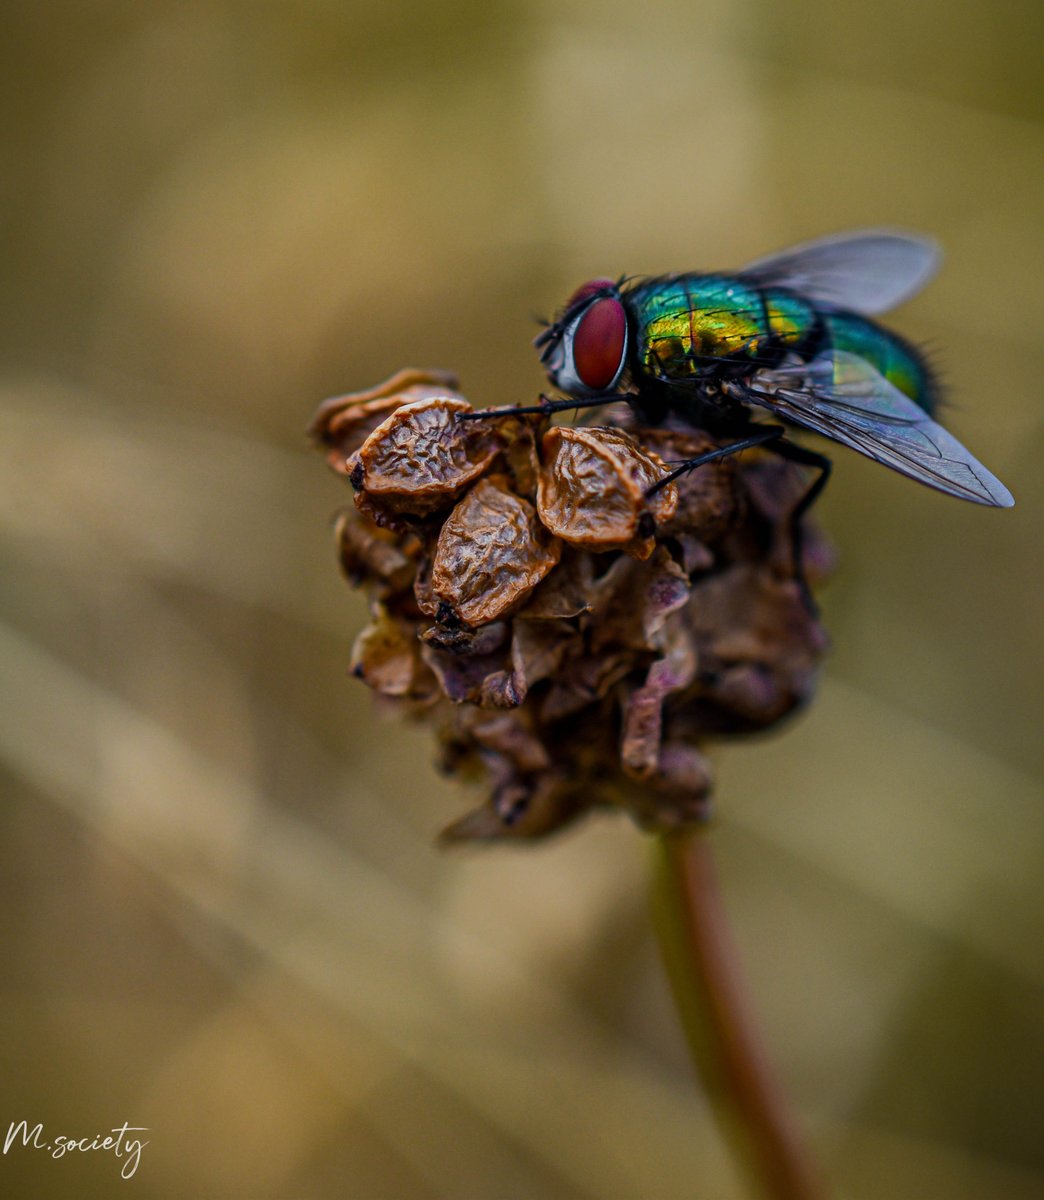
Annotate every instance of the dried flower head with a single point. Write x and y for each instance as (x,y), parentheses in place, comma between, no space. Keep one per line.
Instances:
(574,640)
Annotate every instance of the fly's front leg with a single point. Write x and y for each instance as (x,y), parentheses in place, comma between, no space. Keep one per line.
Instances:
(546,407)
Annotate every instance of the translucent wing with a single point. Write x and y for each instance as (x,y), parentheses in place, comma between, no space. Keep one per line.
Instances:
(868,271)
(842,396)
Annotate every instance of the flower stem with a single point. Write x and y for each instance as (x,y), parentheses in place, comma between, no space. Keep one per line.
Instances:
(703,967)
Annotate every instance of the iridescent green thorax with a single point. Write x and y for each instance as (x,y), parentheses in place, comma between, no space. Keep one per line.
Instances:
(683,324)
(691,326)
(792,320)
(886,352)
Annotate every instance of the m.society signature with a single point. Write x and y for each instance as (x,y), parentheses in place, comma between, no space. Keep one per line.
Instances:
(117,1140)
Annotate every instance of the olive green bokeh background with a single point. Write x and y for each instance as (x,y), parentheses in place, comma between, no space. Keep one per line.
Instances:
(223,917)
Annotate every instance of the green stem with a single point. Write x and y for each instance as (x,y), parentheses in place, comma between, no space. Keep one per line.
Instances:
(703,967)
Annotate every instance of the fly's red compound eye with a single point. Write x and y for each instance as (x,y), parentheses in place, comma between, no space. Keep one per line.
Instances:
(586,290)
(599,342)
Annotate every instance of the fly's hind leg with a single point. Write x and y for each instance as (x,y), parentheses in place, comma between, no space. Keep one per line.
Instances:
(761,435)
(806,458)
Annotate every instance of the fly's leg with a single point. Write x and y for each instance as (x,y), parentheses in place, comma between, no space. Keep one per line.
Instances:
(806,458)
(771,436)
(764,433)
(547,406)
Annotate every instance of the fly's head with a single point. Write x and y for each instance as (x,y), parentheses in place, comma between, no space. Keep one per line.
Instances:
(585,350)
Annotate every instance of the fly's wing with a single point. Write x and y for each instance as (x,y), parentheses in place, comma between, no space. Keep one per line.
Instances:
(842,396)
(868,271)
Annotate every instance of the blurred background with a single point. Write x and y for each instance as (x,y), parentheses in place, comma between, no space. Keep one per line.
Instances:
(223,916)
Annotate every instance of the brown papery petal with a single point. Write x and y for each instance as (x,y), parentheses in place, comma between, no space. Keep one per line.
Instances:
(592,490)
(491,553)
(421,456)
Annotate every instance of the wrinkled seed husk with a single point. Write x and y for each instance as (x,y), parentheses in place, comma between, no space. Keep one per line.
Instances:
(342,423)
(592,490)
(420,458)
(491,553)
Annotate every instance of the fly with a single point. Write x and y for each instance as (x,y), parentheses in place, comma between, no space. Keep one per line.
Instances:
(792,335)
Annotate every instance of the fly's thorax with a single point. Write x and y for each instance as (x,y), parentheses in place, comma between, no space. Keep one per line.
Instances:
(890,355)
(793,321)
(695,326)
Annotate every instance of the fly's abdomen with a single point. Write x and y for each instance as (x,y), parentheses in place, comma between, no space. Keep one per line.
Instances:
(691,325)
(889,355)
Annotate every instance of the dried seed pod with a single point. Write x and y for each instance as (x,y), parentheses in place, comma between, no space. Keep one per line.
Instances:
(573,641)
(707,496)
(463,640)
(520,810)
(480,679)
(759,645)
(643,710)
(520,437)
(386,656)
(584,682)
(677,796)
(695,555)
(631,602)
(566,592)
(342,423)
(510,736)
(773,489)
(537,648)
(592,489)
(420,458)
(371,554)
(491,553)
